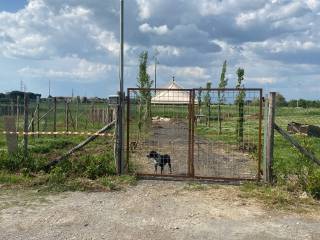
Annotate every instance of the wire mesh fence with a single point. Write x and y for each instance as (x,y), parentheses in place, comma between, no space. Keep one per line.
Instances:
(301,120)
(54,125)
(206,133)
(58,114)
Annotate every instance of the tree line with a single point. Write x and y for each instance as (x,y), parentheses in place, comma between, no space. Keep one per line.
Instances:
(303,103)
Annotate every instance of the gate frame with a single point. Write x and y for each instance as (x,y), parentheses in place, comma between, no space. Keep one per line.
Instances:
(191,121)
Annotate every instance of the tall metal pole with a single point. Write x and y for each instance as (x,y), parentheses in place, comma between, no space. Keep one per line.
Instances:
(155,73)
(120,109)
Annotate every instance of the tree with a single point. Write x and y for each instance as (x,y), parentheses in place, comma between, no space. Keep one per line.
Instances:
(280,100)
(207,103)
(240,102)
(222,84)
(199,98)
(144,97)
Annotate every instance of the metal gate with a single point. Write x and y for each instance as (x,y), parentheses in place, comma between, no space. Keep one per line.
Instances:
(207,133)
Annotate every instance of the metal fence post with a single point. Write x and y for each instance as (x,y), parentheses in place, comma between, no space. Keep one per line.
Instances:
(270,138)
(120,135)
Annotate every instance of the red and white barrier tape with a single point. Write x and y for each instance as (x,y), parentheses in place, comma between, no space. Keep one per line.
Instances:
(58,133)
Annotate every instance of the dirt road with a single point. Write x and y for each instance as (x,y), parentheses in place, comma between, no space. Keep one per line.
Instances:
(150,210)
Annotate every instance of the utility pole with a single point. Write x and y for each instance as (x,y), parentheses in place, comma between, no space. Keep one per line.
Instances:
(120,105)
(155,68)
(49,88)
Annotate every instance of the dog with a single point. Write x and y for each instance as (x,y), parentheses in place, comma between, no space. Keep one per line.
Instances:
(160,160)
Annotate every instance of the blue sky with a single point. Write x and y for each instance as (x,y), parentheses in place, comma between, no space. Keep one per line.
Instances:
(12,5)
(75,44)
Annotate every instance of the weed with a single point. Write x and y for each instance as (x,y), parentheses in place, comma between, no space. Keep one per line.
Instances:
(277,197)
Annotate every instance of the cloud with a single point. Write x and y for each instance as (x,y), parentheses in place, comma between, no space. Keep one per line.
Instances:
(277,42)
(146,28)
(75,69)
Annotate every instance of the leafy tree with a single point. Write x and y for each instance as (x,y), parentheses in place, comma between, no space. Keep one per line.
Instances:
(199,98)
(221,98)
(144,98)
(280,100)
(240,102)
(207,103)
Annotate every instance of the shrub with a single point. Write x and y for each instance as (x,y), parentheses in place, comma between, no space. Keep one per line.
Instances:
(313,183)
(57,176)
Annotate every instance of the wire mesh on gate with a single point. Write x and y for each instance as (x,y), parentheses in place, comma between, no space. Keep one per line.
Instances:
(158,120)
(227,138)
(207,133)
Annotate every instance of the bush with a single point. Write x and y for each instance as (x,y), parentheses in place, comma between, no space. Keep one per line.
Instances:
(57,176)
(294,170)
(90,166)
(313,183)
(100,166)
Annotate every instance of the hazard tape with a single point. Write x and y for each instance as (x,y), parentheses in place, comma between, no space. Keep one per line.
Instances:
(58,133)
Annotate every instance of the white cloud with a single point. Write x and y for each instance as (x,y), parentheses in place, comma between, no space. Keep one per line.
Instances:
(144,9)
(74,69)
(146,28)
(276,42)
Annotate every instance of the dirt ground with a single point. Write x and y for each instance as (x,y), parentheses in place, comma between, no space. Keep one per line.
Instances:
(211,158)
(150,210)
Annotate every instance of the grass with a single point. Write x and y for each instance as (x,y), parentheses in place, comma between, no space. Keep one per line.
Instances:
(49,182)
(279,197)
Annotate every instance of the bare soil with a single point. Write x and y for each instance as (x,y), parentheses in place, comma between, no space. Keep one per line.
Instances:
(150,210)
(211,158)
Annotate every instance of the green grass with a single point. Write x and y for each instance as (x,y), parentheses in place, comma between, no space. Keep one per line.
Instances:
(279,197)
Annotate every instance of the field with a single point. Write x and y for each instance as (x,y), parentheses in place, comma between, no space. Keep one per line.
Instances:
(216,153)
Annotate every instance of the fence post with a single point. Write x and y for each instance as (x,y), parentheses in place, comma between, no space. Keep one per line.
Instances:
(32,124)
(12,107)
(26,123)
(66,114)
(17,112)
(54,115)
(270,138)
(265,130)
(77,113)
(38,115)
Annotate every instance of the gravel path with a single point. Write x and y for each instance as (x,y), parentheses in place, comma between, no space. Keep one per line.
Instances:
(150,210)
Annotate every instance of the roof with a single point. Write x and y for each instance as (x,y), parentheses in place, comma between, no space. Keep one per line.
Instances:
(171,96)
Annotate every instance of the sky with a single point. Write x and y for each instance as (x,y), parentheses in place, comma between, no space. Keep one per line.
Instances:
(74,44)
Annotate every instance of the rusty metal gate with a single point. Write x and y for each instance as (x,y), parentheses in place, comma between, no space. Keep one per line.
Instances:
(207,133)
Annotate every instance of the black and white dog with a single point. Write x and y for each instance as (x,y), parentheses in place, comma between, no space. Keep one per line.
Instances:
(160,160)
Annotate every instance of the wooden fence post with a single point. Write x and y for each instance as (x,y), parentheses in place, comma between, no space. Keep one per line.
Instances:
(55,115)
(77,113)
(32,124)
(26,123)
(38,115)
(66,114)
(265,130)
(12,107)
(17,112)
(270,138)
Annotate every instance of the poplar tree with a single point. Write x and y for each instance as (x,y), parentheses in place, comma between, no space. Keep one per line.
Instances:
(221,98)
(144,82)
(240,102)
